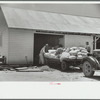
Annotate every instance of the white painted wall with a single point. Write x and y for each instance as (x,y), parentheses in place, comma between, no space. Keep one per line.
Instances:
(78,40)
(4,35)
(20,45)
(61,41)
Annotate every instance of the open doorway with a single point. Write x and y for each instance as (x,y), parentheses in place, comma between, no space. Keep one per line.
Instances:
(98,44)
(41,39)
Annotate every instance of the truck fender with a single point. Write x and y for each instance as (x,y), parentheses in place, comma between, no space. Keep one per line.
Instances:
(94,62)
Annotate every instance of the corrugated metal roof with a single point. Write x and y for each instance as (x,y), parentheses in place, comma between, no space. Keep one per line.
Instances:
(28,19)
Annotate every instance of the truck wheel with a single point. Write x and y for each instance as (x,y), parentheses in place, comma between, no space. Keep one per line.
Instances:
(64,66)
(88,69)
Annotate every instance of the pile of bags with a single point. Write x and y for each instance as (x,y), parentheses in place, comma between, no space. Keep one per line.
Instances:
(54,53)
(50,54)
(70,53)
(74,53)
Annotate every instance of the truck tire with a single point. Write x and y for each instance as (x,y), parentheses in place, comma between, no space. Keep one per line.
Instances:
(88,69)
(64,66)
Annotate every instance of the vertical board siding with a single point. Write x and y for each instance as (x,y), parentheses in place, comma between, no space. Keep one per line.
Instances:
(61,41)
(78,40)
(4,36)
(20,45)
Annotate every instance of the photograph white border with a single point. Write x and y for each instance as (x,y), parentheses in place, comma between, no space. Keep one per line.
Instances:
(43,90)
(46,90)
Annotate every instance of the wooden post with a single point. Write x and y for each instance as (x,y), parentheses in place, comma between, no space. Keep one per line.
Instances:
(96,38)
(95,43)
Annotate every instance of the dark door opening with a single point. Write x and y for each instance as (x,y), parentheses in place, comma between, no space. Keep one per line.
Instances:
(98,44)
(41,39)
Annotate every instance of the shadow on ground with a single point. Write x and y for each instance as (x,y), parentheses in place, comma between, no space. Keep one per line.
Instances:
(47,68)
(71,70)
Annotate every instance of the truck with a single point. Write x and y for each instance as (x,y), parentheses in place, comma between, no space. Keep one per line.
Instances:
(89,64)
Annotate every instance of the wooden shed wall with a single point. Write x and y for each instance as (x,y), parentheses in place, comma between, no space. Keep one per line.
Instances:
(20,45)
(78,40)
(4,36)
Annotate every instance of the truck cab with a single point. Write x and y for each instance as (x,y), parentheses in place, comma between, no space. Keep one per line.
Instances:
(91,63)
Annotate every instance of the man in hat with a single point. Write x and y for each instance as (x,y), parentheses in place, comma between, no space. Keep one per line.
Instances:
(41,54)
(88,47)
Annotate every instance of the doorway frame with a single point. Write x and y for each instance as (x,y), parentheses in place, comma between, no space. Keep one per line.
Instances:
(95,41)
(44,33)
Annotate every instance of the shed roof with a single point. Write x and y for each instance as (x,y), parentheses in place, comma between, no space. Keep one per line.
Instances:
(29,19)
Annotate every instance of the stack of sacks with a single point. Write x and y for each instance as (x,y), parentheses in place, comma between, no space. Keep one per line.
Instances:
(54,53)
(84,52)
(70,53)
(74,53)
(64,55)
(51,51)
(78,52)
(79,55)
(59,52)
(50,54)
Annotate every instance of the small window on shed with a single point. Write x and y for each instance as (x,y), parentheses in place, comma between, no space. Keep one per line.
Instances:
(0,40)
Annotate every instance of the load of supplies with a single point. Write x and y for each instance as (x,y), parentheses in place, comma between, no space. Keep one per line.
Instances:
(69,53)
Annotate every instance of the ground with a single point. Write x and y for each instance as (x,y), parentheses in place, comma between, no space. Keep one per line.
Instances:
(44,74)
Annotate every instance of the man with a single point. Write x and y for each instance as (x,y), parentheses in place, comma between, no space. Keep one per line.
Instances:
(88,47)
(41,54)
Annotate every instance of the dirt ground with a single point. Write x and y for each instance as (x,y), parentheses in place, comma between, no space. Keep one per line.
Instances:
(45,74)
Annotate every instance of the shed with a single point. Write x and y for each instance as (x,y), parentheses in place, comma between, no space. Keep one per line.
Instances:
(24,32)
